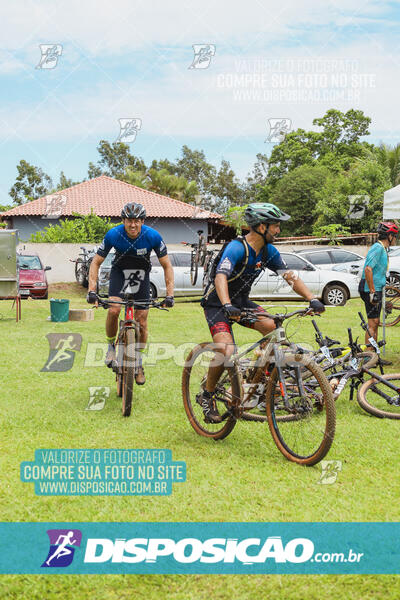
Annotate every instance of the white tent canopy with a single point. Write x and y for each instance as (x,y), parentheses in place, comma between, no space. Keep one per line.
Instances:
(391,203)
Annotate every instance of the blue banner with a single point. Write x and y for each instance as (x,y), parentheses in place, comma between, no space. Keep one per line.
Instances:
(223,548)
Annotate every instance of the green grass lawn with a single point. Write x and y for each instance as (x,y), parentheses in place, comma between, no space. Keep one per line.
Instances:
(242,478)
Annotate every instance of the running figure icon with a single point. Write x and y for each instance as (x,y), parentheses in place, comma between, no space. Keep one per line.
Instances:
(62,549)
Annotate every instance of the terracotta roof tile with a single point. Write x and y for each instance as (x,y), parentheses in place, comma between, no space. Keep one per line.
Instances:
(106,196)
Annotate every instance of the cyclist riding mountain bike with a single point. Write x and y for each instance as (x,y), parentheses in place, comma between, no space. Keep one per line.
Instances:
(130,273)
(373,278)
(227,294)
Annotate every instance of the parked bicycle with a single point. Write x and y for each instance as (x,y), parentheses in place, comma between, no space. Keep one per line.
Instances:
(392,306)
(301,417)
(379,395)
(82,266)
(126,347)
(197,256)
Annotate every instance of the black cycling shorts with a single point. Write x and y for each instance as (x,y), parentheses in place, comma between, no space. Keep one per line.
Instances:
(218,322)
(373,310)
(133,281)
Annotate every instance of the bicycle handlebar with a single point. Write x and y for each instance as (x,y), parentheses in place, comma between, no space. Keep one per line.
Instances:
(149,304)
(255,314)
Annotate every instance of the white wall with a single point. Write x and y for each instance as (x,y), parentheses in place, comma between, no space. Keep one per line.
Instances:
(57,256)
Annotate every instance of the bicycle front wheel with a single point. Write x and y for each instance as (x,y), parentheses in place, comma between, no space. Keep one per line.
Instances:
(128,371)
(378,399)
(227,391)
(303,427)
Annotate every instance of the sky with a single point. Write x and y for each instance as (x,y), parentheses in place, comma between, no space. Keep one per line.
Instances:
(215,76)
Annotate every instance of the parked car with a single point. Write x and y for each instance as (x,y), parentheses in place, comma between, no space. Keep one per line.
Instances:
(334,288)
(334,257)
(32,276)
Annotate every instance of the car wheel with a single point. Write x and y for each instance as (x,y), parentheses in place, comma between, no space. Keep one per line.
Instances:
(335,295)
(393,279)
(153,292)
(46,296)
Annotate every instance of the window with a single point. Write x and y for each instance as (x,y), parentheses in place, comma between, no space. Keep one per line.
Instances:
(182,259)
(294,262)
(319,258)
(342,256)
(108,259)
(29,262)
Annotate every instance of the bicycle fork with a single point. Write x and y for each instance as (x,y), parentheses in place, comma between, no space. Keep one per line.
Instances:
(279,361)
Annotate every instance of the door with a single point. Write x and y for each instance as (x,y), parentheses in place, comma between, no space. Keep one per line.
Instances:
(182,275)
(279,288)
(8,262)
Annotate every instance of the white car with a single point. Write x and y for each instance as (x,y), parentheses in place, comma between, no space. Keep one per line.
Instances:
(334,258)
(332,287)
(338,259)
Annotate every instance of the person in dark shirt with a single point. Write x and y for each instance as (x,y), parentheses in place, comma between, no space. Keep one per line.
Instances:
(130,273)
(242,261)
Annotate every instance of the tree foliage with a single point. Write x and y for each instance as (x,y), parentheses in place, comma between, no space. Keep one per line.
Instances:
(297,193)
(114,160)
(31,183)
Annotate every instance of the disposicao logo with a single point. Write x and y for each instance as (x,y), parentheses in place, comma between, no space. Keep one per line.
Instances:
(63,543)
(189,550)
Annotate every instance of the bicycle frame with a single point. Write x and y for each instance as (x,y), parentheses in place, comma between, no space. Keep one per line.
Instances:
(272,350)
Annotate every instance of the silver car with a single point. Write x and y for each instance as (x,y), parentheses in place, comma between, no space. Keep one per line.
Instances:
(334,288)
(334,258)
(343,260)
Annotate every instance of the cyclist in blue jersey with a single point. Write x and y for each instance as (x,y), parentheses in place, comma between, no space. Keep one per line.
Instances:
(130,273)
(227,294)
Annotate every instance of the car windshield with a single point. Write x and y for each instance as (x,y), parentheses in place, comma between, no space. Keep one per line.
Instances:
(29,262)
(108,259)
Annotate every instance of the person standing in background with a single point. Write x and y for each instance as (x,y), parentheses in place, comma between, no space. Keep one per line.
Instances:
(373,277)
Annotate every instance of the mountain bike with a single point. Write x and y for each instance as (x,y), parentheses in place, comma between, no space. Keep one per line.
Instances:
(197,256)
(331,358)
(392,306)
(301,418)
(126,346)
(379,395)
(82,266)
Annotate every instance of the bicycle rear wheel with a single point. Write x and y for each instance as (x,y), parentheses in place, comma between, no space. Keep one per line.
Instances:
(392,309)
(379,399)
(128,371)
(194,377)
(81,272)
(194,266)
(304,430)
(202,253)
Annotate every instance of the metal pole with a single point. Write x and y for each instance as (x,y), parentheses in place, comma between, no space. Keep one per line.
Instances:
(384,318)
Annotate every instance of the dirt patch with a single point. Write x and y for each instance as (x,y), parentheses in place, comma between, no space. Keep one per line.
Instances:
(66,288)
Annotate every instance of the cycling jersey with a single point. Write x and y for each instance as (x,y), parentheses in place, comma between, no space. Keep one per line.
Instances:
(130,270)
(377,259)
(231,265)
(133,253)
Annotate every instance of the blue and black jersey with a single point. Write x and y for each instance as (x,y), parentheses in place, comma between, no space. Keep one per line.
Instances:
(133,253)
(231,264)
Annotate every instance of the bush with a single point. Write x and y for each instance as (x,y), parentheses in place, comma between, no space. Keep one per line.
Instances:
(87,229)
(332,231)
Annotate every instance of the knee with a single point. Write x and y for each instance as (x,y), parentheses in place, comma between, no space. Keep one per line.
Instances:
(114,311)
(142,322)
(227,349)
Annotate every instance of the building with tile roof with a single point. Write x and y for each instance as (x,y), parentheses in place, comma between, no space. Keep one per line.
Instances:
(175,220)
